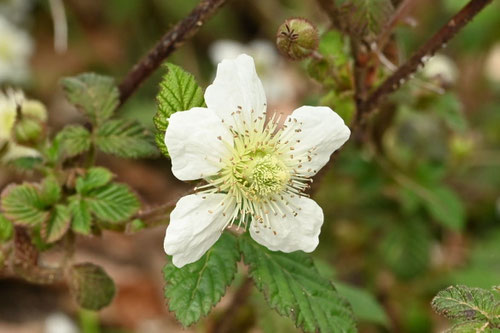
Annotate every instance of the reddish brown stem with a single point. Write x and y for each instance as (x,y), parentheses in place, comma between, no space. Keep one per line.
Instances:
(436,42)
(167,44)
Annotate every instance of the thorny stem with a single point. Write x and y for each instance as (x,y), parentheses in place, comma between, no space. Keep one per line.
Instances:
(167,44)
(436,42)
(391,84)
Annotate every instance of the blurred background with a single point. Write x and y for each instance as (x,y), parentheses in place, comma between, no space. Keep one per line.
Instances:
(414,209)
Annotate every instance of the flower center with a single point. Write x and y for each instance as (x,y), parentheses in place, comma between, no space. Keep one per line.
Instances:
(263,175)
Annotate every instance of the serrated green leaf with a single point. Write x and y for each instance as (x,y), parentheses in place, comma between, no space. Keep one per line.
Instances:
(194,289)
(178,92)
(365,18)
(95,95)
(74,140)
(50,191)
(57,225)
(81,216)
(406,248)
(465,304)
(91,286)
(125,138)
(112,203)
(22,205)
(94,178)
(160,143)
(294,288)
(6,229)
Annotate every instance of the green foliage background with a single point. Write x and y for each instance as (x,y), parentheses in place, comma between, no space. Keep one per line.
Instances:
(411,212)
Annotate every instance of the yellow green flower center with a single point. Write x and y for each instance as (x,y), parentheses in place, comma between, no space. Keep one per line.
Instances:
(261,175)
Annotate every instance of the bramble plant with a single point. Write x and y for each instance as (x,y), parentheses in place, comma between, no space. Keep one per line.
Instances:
(249,219)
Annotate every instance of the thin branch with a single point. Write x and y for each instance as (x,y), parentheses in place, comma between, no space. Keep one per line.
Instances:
(436,42)
(168,43)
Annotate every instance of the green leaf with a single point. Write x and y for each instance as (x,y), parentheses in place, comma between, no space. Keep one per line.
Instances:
(94,178)
(446,207)
(81,216)
(91,286)
(194,289)
(406,248)
(364,305)
(365,18)
(450,109)
(6,229)
(74,140)
(95,95)
(294,288)
(112,203)
(57,225)
(22,205)
(465,304)
(50,191)
(125,138)
(178,92)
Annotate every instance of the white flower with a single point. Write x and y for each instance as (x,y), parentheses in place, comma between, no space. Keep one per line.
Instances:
(492,65)
(270,66)
(15,50)
(441,67)
(255,172)
(16,10)
(10,102)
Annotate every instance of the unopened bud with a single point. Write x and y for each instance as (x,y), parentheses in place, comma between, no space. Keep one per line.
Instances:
(27,130)
(297,38)
(34,109)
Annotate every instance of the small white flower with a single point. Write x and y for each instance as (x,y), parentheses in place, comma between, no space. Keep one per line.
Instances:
(270,67)
(16,47)
(442,68)
(255,172)
(10,102)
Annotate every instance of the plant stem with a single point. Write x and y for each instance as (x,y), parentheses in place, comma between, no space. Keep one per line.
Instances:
(435,43)
(167,44)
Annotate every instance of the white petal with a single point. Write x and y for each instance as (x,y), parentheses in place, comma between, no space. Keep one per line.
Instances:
(15,151)
(291,233)
(195,225)
(236,85)
(194,140)
(317,132)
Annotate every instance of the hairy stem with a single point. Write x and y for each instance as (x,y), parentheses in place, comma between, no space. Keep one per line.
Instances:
(167,44)
(435,43)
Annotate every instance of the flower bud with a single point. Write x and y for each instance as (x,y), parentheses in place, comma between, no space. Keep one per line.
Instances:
(34,109)
(27,130)
(297,38)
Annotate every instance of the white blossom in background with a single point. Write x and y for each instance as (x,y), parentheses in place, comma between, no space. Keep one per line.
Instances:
(59,322)
(10,102)
(442,68)
(255,172)
(16,10)
(270,66)
(16,48)
(492,65)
